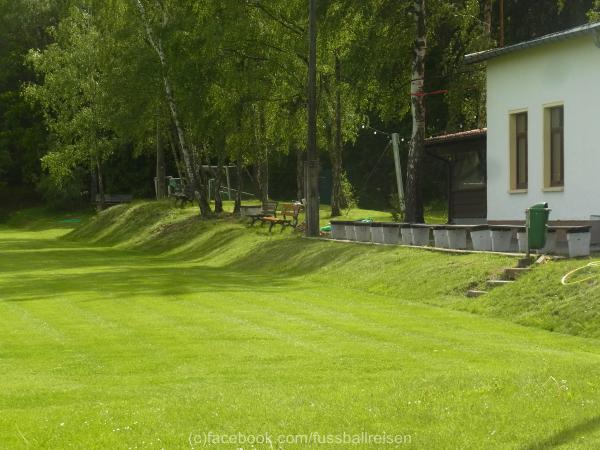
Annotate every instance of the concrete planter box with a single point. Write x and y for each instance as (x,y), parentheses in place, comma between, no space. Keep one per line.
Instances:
(406,234)
(362,231)
(550,246)
(522,240)
(377,233)
(420,235)
(481,239)
(440,237)
(350,234)
(338,230)
(501,239)
(457,238)
(391,233)
(385,233)
(579,243)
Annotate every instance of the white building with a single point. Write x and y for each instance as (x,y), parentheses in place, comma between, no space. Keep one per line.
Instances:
(543,120)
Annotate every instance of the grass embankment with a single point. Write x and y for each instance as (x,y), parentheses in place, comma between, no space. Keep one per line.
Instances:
(540,300)
(230,244)
(147,327)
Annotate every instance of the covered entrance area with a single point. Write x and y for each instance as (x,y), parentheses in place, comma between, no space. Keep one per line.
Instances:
(465,156)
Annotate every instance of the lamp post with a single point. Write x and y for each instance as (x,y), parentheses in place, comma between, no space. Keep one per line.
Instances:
(311,168)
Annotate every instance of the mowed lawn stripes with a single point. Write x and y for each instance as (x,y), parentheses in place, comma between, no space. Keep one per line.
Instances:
(105,348)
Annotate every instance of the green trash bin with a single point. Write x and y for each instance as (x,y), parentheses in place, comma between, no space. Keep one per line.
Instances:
(537,219)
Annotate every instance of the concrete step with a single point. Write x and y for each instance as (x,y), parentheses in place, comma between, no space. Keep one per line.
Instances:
(515,272)
(475,293)
(525,262)
(497,283)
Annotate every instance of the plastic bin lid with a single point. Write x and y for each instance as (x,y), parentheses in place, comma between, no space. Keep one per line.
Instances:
(539,206)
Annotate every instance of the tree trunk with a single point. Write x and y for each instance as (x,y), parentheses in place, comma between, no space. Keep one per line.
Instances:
(180,172)
(240,185)
(161,175)
(156,44)
(93,182)
(261,175)
(218,182)
(299,174)
(337,195)
(414,196)
(262,166)
(201,186)
(102,197)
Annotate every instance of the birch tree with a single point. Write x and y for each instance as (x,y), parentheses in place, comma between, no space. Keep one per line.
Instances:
(414,200)
(191,168)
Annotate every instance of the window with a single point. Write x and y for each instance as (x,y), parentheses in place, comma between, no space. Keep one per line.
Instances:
(468,171)
(554,147)
(518,150)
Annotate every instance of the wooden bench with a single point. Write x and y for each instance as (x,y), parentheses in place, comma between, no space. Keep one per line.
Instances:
(115,199)
(268,209)
(289,217)
(181,199)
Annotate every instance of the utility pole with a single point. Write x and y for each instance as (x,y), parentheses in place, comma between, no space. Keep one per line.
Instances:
(396,148)
(501,43)
(311,168)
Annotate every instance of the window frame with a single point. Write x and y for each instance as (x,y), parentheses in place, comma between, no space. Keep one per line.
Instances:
(519,151)
(561,130)
(516,153)
(550,184)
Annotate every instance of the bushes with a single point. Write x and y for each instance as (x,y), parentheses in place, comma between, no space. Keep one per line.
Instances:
(70,194)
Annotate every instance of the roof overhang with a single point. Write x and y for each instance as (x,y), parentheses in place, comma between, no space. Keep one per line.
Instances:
(479,133)
(591,28)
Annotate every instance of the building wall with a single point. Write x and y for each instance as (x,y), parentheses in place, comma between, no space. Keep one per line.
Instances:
(567,72)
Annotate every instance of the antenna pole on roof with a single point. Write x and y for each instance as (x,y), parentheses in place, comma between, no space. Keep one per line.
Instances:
(501,43)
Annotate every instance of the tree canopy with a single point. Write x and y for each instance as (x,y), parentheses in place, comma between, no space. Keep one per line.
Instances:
(90,88)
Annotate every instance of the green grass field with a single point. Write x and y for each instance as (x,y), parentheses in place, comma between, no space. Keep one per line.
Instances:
(146,328)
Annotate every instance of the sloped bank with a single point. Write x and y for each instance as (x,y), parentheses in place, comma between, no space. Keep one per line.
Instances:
(537,299)
(229,243)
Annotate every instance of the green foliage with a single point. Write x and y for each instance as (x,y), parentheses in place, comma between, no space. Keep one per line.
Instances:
(23,137)
(67,195)
(94,85)
(348,192)
(594,14)
(75,103)
(397,208)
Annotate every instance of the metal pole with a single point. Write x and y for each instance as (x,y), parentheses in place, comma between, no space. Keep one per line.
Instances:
(312,156)
(396,148)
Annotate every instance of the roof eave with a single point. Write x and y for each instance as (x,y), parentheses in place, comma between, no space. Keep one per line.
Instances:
(478,57)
